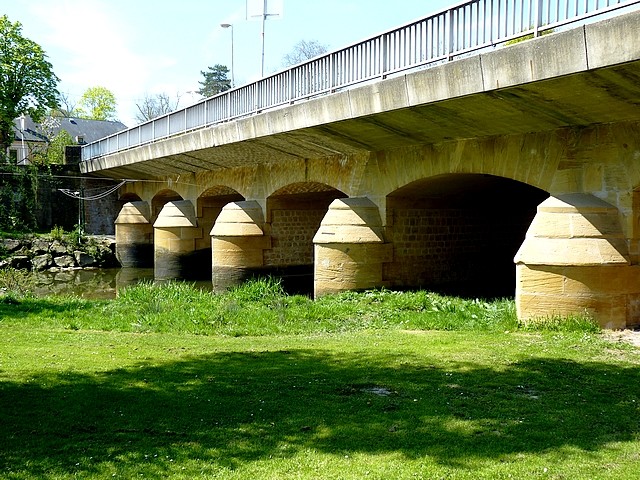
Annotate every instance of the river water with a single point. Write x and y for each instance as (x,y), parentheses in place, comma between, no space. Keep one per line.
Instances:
(101,283)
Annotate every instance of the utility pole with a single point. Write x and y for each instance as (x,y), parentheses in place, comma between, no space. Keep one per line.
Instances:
(264,13)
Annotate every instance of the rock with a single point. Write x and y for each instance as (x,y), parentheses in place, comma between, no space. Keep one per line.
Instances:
(84,259)
(64,261)
(42,262)
(40,246)
(55,255)
(10,245)
(20,262)
(58,249)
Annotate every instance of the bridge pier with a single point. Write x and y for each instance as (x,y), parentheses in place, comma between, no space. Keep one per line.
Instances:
(574,261)
(134,235)
(349,248)
(238,242)
(175,233)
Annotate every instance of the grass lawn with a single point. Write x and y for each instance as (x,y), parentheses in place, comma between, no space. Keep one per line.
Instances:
(361,397)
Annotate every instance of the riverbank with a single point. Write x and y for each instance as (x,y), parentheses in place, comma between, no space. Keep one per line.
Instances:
(58,253)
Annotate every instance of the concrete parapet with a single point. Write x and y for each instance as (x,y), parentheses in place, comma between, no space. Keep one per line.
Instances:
(574,260)
(349,248)
(134,235)
(237,244)
(175,234)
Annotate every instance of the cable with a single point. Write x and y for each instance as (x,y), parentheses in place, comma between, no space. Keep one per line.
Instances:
(78,194)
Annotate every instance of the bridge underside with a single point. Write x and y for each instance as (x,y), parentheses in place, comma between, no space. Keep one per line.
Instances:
(435,179)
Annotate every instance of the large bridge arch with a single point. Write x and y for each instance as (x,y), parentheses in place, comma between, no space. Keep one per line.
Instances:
(530,159)
(458,233)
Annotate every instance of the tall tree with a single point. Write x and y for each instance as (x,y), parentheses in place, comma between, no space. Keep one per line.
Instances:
(155,106)
(215,81)
(303,50)
(97,103)
(27,82)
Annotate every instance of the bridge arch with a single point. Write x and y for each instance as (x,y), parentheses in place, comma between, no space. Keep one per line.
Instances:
(209,204)
(129,197)
(161,198)
(293,216)
(531,159)
(207,209)
(125,198)
(458,233)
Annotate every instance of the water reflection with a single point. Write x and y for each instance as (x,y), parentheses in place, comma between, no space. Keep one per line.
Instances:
(101,283)
(104,283)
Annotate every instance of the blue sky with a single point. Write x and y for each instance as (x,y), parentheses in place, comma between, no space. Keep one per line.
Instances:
(144,47)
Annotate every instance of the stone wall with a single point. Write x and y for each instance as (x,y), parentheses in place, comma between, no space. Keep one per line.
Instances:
(41,253)
(292,234)
(434,246)
(452,249)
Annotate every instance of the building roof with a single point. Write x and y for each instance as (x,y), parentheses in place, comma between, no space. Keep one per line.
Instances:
(78,128)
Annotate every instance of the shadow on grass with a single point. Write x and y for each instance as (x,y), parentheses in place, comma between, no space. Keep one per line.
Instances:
(228,409)
(16,308)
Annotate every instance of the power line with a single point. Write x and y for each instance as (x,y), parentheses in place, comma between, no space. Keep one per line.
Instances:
(80,194)
(110,179)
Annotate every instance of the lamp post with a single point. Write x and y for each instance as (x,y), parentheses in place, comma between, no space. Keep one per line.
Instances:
(229,25)
(23,152)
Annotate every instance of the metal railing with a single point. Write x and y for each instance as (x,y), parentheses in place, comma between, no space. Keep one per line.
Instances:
(460,29)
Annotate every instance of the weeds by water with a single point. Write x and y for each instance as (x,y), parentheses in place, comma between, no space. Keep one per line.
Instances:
(15,284)
(261,307)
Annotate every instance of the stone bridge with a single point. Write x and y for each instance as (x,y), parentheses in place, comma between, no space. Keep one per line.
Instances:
(439,178)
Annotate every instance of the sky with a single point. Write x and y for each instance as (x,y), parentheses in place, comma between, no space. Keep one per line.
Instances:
(138,48)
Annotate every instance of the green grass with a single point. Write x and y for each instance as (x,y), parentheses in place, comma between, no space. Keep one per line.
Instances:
(261,308)
(172,382)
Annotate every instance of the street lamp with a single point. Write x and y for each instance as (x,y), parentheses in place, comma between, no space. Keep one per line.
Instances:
(23,151)
(229,25)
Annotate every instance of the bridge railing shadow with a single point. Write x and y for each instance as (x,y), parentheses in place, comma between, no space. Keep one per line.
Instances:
(227,409)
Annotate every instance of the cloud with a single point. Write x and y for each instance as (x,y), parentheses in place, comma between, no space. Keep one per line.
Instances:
(94,45)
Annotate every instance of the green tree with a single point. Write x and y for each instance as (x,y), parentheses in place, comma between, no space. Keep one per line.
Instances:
(27,82)
(97,103)
(54,153)
(215,81)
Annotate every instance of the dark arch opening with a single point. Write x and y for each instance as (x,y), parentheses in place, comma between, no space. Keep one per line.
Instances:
(160,199)
(126,198)
(208,206)
(457,234)
(293,217)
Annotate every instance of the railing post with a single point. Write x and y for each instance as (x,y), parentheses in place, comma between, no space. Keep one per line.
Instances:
(383,54)
(537,13)
(449,30)
(332,81)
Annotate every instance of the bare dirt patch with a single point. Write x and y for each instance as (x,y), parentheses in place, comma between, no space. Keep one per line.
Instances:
(627,336)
